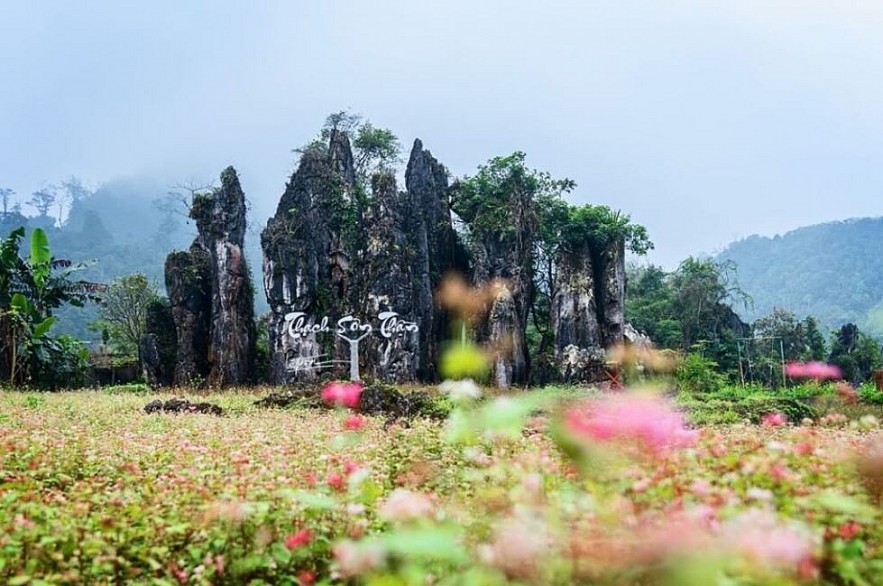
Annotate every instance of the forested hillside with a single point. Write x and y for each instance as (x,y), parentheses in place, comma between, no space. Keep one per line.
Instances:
(832,271)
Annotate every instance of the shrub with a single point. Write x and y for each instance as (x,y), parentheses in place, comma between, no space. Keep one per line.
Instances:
(697,374)
(130,388)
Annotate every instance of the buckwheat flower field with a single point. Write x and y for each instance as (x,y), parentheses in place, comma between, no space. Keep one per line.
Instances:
(518,489)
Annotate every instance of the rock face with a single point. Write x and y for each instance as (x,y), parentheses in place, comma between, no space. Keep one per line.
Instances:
(389,284)
(507,263)
(158,346)
(587,308)
(188,285)
(304,265)
(331,251)
(211,293)
(437,249)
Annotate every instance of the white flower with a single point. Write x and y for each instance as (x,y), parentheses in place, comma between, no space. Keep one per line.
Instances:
(461,390)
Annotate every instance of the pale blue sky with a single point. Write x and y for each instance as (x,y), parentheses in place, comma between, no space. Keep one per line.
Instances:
(706,121)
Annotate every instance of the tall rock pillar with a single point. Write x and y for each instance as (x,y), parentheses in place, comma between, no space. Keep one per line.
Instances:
(211,293)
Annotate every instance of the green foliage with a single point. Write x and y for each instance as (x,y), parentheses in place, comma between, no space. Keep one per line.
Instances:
(870,394)
(129,388)
(123,312)
(30,289)
(855,353)
(731,404)
(62,362)
(505,198)
(375,149)
(688,307)
(698,374)
(601,226)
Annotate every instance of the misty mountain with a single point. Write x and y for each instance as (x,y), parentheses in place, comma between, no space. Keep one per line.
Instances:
(126,226)
(833,271)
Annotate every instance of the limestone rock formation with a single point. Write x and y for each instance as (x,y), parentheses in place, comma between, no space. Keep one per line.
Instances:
(340,245)
(220,222)
(188,284)
(587,308)
(437,249)
(305,267)
(332,250)
(211,293)
(506,259)
(394,354)
(157,348)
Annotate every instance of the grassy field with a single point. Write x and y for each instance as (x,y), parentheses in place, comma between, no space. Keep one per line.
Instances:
(94,491)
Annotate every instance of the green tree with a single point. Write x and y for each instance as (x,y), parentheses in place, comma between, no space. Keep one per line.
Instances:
(650,307)
(704,290)
(856,353)
(123,311)
(6,198)
(689,309)
(42,199)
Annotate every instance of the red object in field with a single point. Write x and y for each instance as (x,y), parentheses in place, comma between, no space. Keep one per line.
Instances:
(878,379)
(614,377)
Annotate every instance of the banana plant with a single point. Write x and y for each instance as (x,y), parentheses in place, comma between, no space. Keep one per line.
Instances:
(30,288)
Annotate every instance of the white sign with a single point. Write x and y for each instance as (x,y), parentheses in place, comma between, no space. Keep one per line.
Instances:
(349,328)
(391,325)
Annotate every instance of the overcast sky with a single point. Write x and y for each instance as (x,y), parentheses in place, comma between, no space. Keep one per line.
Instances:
(706,121)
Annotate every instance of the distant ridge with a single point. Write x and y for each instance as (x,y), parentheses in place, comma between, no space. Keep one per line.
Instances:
(833,271)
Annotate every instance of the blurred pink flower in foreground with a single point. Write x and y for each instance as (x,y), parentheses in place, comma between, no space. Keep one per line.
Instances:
(649,420)
(762,538)
(815,370)
(403,505)
(774,419)
(354,558)
(346,394)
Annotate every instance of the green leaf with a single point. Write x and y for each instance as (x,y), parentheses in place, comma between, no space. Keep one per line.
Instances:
(435,543)
(280,553)
(310,500)
(20,304)
(39,248)
(43,327)
(838,503)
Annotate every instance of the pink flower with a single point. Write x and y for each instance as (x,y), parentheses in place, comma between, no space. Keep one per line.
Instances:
(306,578)
(353,422)
(346,394)
(765,540)
(519,547)
(404,505)
(336,481)
(357,558)
(648,420)
(774,419)
(298,539)
(849,530)
(350,468)
(815,370)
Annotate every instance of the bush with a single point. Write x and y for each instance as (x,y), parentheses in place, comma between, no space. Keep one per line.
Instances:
(869,394)
(60,363)
(130,388)
(697,374)
(732,404)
